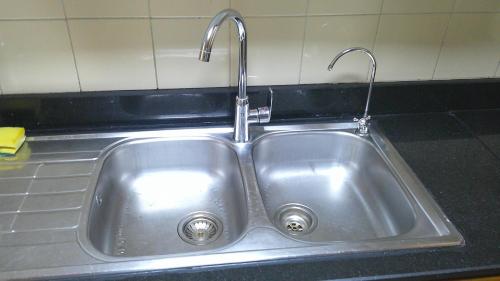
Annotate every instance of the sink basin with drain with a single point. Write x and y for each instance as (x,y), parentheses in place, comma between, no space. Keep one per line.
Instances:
(150,192)
(340,176)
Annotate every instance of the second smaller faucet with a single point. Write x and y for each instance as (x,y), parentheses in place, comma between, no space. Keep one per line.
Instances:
(363,121)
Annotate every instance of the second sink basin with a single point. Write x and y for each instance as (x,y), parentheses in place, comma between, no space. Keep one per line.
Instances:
(330,186)
(159,197)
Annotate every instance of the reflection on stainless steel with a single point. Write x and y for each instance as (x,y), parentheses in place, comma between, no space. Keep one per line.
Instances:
(341,177)
(148,187)
(184,198)
(243,116)
(363,122)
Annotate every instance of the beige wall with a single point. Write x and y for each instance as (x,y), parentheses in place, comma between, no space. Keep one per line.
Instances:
(88,45)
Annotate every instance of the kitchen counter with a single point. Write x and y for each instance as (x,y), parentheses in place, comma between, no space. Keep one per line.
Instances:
(459,169)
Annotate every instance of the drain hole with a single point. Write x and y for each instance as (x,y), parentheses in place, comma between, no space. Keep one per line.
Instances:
(294,226)
(200,228)
(295,219)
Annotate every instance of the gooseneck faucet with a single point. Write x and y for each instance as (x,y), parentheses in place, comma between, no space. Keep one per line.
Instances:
(243,115)
(363,121)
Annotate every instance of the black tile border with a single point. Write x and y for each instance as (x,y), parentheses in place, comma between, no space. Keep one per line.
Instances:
(111,110)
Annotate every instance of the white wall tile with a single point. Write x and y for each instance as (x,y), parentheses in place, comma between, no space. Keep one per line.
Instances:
(274,51)
(477,6)
(407,46)
(177,45)
(471,47)
(344,7)
(113,54)
(36,57)
(266,7)
(187,8)
(106,8)
(419,6)
(31,9)
(326,36)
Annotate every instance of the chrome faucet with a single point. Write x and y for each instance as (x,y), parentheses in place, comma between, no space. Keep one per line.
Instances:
(363,122)
(244,115)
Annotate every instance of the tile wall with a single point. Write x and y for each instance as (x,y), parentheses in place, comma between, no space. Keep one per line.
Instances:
(88,45)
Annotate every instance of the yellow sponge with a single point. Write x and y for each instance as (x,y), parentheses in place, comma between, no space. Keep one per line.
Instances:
(11,139)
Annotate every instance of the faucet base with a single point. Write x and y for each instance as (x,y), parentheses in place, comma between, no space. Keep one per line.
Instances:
(240,120)
(363,124)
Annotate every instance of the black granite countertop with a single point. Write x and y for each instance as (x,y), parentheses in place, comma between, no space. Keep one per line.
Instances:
(455,152)
(457,157)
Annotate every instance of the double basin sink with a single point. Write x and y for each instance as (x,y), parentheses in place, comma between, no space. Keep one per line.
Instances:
(293,191)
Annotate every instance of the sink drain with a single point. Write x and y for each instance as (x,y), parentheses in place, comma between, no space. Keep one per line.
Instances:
(200,228)
(295,219)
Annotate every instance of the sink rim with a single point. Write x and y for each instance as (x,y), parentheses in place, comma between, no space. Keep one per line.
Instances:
(302,249)
(413,203)
(83,236)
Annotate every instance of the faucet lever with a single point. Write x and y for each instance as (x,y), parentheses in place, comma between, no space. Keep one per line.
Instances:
(262,114)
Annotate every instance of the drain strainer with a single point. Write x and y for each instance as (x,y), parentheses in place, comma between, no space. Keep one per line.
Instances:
(295,219)
(200,228)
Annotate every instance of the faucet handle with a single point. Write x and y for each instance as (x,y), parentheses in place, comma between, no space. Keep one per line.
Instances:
(262,114)
(363,124)
(266,111)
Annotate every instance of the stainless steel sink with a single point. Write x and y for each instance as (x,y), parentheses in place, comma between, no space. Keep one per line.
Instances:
(159,197)
(337,179)
(194,197)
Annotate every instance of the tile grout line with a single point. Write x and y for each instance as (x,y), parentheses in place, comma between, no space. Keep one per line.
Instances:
(496,70)
(26,194)
(68,30)
(229,50)
(153,44)
(229,56)
(443,39)
(375,38)
(251,16)
(306,22)
(1,89)
(230,53)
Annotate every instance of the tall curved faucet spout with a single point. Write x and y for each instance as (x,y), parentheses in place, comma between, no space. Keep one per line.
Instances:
(209,38)
(243,116)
